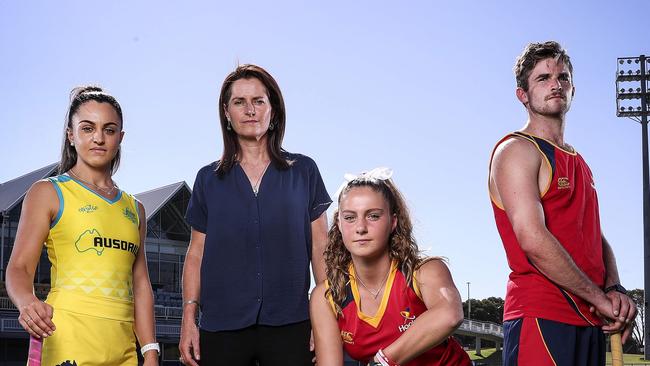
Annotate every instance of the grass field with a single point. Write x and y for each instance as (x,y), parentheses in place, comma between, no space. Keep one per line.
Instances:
(490,356)
(629,359)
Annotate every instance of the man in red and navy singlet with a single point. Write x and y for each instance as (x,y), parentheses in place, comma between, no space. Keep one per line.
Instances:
(546,210)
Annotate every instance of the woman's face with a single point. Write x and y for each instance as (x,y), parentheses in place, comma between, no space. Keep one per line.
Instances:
(365,222)
(249,109)
(96,133)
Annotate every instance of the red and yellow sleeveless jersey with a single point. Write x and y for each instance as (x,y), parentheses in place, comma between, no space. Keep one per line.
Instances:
(570,206)
(364,335)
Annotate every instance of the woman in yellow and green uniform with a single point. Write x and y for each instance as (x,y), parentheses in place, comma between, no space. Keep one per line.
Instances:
(100,297)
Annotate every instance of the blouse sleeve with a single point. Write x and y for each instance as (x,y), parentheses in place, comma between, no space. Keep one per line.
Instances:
(319,199)
(197,213)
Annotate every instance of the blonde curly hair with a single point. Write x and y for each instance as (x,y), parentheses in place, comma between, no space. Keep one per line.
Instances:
(402,246)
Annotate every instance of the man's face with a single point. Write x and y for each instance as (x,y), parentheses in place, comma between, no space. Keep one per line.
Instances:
(550,89)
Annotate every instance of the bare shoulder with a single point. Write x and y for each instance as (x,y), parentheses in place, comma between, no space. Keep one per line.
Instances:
(319,291)
(432,268)
(515,150)
(516,163)
(141,211)
(42,189)
(140,206)
(318,302)
(42,194)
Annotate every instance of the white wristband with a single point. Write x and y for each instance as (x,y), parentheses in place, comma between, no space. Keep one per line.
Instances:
(149,347)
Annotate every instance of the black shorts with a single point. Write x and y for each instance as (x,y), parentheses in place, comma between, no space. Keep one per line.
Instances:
(541,342)
(258,345)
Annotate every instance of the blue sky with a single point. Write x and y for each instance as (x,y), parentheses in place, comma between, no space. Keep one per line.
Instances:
(423,87)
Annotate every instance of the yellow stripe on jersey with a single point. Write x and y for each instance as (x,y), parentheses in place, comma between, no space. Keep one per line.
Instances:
(92,245)
(373,320)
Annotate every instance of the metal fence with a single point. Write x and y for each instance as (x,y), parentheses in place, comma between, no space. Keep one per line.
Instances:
(6,304)
(164,312)
(475,326)
(10,325)
(13,326)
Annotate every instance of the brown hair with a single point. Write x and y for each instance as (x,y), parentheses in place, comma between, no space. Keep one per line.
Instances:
(535,52)
(78,96)
(402,246)
(231,148)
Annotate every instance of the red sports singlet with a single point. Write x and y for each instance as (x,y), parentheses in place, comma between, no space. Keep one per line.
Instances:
(570,207)
(364,335)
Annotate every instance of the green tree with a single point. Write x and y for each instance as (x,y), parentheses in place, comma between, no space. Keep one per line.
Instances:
(487,310)
(638,331)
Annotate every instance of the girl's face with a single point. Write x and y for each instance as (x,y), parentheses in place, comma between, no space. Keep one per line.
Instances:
(365,222)
(96,133)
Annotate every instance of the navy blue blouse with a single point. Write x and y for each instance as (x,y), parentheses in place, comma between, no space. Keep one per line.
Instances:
(255,267)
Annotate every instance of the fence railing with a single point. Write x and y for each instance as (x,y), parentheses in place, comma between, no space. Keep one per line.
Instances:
(480,327)
(6,304)
(13,326)
(164,312)
(10,325)
(168,312)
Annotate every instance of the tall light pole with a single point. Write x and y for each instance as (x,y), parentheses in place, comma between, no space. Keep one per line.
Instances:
(469,304)
(632,98)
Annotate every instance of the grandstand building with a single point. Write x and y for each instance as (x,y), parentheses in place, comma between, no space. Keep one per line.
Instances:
(167,239)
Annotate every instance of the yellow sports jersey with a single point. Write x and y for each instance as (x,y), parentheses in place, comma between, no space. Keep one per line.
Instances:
(92,245)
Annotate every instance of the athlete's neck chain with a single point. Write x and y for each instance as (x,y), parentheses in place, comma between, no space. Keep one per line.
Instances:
(374,293)
(107,191)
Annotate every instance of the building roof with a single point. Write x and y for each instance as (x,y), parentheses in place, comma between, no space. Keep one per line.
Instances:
(13,191)
(155,199)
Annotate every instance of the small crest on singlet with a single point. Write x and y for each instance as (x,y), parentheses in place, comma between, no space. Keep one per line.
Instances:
(409,318)
(563,183)
(406,314)
(347,337)
(87,208)
(130,215)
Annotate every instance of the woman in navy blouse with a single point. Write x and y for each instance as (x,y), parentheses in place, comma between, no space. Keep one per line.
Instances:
(258,220)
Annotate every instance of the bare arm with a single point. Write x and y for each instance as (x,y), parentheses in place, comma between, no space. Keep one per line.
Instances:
(145,323)
(189,343)
(515,178)
(611,270)
(318,244)
(444,314)
(327,336)
(40,207)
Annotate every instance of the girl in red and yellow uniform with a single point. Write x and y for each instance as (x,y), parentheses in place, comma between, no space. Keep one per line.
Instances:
(382,302)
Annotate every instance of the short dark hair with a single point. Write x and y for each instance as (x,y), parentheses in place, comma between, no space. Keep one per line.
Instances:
(231,147)
(535,52)
(78,96)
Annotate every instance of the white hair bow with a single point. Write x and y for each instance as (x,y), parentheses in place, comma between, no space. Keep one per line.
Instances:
(380,173)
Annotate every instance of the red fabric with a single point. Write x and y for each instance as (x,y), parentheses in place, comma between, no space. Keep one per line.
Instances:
(532,348)
(571,213)
(361,340)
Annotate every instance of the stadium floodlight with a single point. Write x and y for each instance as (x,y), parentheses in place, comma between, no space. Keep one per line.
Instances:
(632,86)
(632,101)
